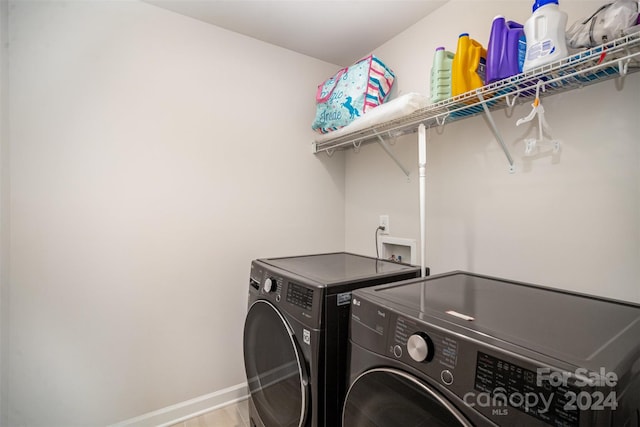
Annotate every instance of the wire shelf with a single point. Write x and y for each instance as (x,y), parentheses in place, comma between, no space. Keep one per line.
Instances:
(619,57)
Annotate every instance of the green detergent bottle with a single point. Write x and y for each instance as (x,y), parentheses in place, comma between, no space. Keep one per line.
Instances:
(441,75)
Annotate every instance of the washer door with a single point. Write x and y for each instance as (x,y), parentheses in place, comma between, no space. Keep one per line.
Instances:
(391,398)
(275,367)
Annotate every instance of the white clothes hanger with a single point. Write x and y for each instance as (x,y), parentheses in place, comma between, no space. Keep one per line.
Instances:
(543,126)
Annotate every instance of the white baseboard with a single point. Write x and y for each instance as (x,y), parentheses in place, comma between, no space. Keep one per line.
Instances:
(188,409)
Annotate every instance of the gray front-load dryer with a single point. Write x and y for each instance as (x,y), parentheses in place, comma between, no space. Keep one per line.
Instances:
(296,334)
(461,349)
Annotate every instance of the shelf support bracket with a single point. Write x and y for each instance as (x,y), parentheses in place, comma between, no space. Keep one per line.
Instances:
(623,67)
(440,120)
(391,154)
(496,132)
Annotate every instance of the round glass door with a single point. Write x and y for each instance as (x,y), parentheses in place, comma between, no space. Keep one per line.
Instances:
(391,398)
(274,367)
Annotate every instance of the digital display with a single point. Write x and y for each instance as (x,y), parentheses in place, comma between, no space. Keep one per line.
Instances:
(300,296)
(509,384)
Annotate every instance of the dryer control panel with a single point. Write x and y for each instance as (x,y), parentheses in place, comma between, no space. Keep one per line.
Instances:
(297,300)
(300,296)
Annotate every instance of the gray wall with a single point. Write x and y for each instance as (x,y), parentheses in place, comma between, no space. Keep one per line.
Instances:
(146,171)
(4,307)
(570,221)
(152,157)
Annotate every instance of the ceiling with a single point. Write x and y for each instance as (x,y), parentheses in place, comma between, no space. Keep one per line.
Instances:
(336,31)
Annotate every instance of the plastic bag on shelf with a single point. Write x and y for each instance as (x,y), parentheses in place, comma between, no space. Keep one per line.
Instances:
(351,92)
(605,24)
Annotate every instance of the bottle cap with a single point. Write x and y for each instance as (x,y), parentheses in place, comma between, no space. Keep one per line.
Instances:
(540,3)
(440,48)
(463,35)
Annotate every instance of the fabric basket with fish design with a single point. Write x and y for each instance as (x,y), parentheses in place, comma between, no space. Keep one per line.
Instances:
(351,92)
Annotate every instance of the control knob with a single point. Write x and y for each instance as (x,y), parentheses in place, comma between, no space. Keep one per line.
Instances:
(420,347)
(270,285)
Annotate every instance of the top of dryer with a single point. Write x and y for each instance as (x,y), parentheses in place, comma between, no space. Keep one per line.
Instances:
(567,326)
(339,268)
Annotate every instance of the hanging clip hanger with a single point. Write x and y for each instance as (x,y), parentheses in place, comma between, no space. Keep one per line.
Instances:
(543,126)
(511,100)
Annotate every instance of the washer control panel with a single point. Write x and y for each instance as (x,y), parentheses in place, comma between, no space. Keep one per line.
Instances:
(547,402)
(404,339)
(422,346)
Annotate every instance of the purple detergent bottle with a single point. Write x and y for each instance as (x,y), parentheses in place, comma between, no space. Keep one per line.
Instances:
(502,51)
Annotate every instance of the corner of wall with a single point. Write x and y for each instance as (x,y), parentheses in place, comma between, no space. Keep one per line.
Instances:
(4,315)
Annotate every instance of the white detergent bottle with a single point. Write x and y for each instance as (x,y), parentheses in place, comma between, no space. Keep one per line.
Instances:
(545,34)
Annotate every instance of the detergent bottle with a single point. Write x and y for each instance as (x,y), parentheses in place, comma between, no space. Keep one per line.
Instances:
(545,34)
(441,75)
(502,50)
(522,51)
(468,67)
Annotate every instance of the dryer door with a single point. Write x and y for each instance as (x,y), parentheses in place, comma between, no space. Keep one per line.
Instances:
(275,367)
(390,398)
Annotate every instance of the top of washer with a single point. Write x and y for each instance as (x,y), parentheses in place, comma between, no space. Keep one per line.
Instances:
(340,267)
(564,325)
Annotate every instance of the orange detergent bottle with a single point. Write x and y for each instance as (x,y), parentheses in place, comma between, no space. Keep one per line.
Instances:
(468,68)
